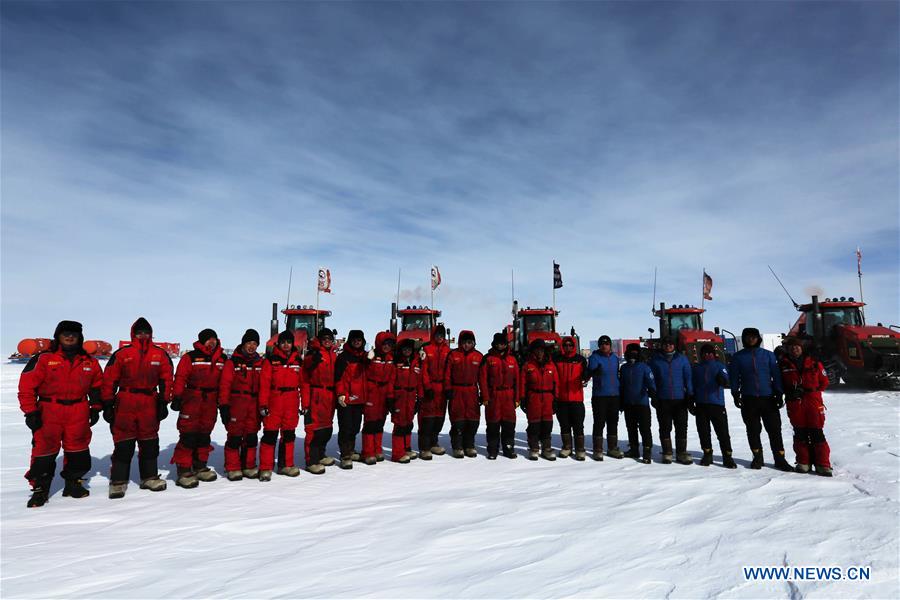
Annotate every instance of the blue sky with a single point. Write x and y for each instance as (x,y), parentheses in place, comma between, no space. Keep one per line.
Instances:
(174,160)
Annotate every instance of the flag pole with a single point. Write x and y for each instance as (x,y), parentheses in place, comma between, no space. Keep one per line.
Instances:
(431,285)
(702,288)
(554,286)
(859,274)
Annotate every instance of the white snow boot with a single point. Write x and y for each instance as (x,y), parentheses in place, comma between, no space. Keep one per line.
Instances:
(117,489)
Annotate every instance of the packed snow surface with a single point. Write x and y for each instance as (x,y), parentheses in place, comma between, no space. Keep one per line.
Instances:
(467,528)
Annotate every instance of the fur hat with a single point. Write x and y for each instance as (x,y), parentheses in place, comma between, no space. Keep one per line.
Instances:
(205,335)
(251,335)
(286,336)
(466,336)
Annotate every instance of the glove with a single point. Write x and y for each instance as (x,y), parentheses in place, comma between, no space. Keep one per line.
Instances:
(109,412)
(94,416)
(371,355)
(264,411)
(524,404)
(176,403)
(392,406)
(721,379)
(162,411)
(448,395)
(482,401)
(778,399)
(654,403)
(307,417)
(422,355)
(691,405)
(555,405)
(342,400)
(225,414)
(737,399)
(429,394)
(33,420)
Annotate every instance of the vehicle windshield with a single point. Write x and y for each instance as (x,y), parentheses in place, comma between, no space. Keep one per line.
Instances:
(539,323)
(306,322)
(687,321)
(840,316)
(411,322)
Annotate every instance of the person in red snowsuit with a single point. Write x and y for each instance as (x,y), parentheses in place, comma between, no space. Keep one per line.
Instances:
(571,368)
(279,405)
(409,388)
(239,407)
(433,407)
(59,393)
(498,381)
(350,387)
(379,386)
(539,389)
(318,399)
(461,392)
(804,380)
(137,387)
(195,398)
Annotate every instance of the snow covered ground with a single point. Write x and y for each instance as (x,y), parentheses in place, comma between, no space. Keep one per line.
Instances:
(467,528)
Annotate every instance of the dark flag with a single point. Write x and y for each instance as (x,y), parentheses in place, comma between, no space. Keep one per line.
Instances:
(557,277)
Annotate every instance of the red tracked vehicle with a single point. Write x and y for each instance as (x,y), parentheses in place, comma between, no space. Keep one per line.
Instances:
(304,320)
(835,331)
(530,324)
(415,323)
(685,323)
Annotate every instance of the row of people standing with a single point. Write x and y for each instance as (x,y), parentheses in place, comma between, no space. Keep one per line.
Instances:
(63,392)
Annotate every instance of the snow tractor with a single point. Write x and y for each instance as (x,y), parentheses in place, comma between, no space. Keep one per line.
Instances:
(28,348)
(415,323)
(685,323)
(530,324)
(835,331)
(305,321)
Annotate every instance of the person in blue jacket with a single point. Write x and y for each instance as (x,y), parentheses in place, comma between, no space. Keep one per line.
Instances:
(636,384)
(757,391)
(674,392)
(603,367)
(710,378)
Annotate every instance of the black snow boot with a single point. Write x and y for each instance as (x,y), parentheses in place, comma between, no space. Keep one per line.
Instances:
(757,462)
(780,463)
(707,458)
(534,448)
(612,447)
(75,488)
(597,445)
(727,460)
(39,496)
(632,451)
(648,452)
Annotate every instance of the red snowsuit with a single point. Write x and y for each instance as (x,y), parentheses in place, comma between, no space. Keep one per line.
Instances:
(133,374)
(379,386)
(804,380)
(318,399)
(571,369)
(499,384)
(279,392)
(58,386)
(409,388)
(433,406)
(539,386)
(461,383)
(350,382)
(197,384)
(239,390)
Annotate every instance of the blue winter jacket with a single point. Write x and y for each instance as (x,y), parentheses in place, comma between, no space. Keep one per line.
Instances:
(754,372)
(605,371)
(707,389)
(636,379)
(673,376)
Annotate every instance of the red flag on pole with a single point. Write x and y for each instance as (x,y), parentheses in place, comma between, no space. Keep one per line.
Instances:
(435,277)
(324,280)
(707,286)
